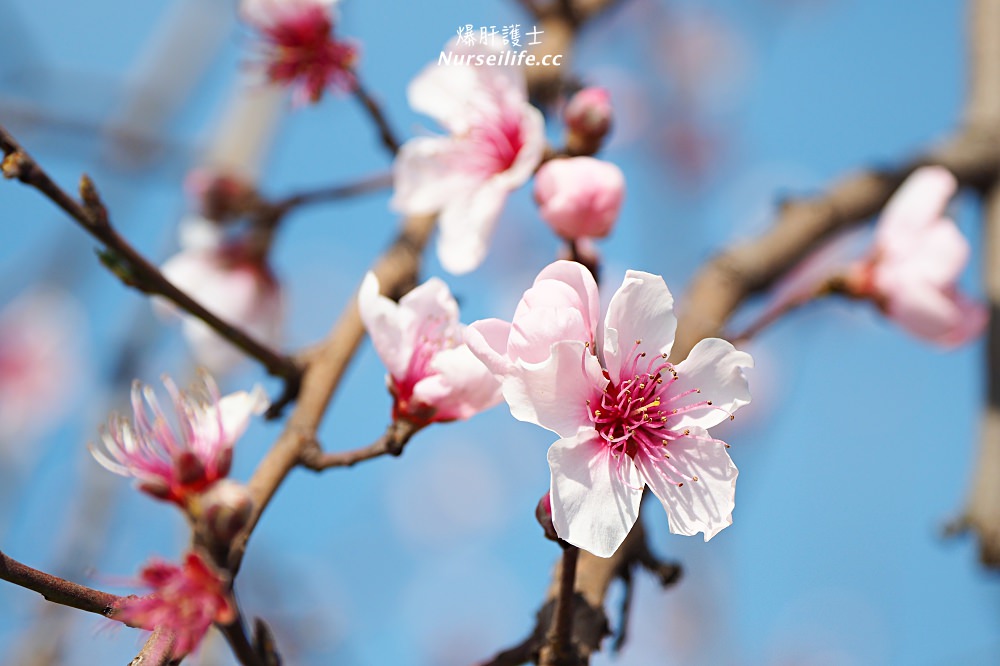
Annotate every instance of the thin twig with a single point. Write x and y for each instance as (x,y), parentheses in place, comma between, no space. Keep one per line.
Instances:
(131,267)
(390,443)
(385,131)
(58,590)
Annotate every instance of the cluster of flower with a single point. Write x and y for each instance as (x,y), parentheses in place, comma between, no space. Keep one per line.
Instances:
(626,415)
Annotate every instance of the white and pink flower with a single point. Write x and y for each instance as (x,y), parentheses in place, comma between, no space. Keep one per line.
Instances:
(432,374)
(176,464)
(918,256)
(496,140)
(231,280)
(300,47)
(185,601)
(626,416)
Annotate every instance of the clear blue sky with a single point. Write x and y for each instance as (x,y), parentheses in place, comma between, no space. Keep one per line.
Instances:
(856,450)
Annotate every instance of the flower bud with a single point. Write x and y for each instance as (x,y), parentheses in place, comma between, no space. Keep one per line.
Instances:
(579,197)
(225,509)
(543,512)
(588,119)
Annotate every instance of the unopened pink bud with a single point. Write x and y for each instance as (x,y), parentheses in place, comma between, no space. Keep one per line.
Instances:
(588,120)
(589,112)
(579,197)
(543,512)
(225,509)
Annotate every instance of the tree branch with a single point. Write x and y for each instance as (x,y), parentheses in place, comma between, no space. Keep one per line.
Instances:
(397,272)
(57,590)
(391,442)
(374,110)
(131,267)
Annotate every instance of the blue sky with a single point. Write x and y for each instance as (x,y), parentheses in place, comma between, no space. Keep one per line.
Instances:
(856,451)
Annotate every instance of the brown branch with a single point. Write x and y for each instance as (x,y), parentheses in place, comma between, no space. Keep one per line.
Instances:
(374,110)
(131,267)
(390,443)
(58,590)
(559,650)
(397,272)
(235,634)
(982,507)
(156,651)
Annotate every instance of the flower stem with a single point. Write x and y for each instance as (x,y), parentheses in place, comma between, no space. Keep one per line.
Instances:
(558,651)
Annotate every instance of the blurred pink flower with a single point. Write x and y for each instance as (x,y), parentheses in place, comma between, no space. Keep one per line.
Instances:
(40,363)
(579,197)
(186,600)
(496,141)
(432,374)
(919,254)
(232,281)
(625,420)
(300,48)
(173,464)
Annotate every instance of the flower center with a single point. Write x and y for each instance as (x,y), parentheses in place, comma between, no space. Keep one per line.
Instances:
(633,415)
(496,142)
(434,335)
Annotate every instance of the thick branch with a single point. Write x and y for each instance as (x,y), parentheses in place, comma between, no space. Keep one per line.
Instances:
(57,590)
(397,272)
(130,266)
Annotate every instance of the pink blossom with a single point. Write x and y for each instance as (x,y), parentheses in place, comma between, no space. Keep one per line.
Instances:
(185,600)
(579,197)
(233,281)
(175,464)
(918,256)
(40,363)
(496,140)
(432,374)
(625,415)
(300,48)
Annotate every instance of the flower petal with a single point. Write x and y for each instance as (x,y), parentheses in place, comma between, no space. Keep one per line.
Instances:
(920,201)
(595,496)
(943,317)
(466,226)
(385,326)
(641,309)
(428,174)
(554,394)
(705,505)
(716,368)
(487,339)
(460,387)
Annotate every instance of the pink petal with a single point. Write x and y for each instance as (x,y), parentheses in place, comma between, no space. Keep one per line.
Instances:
(466,226)
(595,497)
(532,150)
(937,255)
(942,317)
(920,201)
(487,339)
(428,175)
(554,394)
(641,309)
(385,326)
(705,505)
(715,367)
(460,387)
